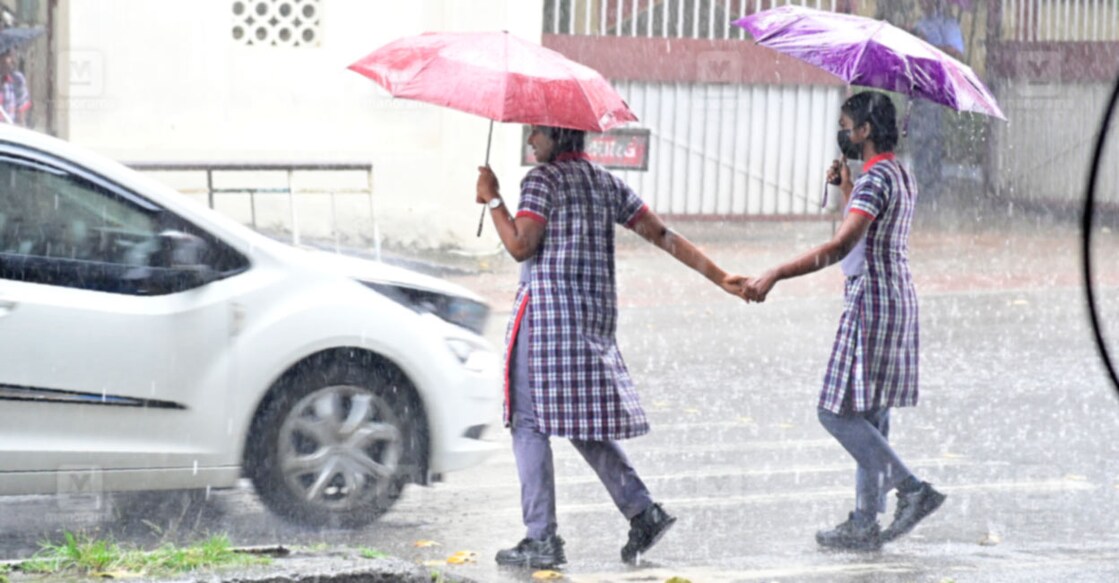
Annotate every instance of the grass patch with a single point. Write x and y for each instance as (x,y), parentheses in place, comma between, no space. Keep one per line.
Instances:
(88,556)
(368,553)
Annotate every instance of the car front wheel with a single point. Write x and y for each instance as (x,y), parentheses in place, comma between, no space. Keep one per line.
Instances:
(335,444)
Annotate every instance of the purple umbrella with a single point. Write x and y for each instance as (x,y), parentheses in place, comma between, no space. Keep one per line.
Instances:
(871,53)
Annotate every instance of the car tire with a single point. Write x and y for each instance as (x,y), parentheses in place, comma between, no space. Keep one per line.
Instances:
(336,441)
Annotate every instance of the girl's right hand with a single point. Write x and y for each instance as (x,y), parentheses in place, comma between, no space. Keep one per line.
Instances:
(839,174)
(833,175)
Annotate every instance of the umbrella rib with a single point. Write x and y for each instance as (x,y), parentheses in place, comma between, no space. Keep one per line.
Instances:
(862,48)
(582,90)
(782,28)
(505,77)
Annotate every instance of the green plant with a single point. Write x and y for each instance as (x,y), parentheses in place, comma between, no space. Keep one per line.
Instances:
(86,555)
(368,553)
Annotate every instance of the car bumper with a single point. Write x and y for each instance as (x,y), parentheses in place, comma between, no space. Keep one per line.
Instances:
(469,410)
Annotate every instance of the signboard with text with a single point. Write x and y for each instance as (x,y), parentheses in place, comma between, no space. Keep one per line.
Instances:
(622,149)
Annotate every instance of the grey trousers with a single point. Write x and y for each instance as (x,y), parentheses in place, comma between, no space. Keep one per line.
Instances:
(864,435)
(533,452)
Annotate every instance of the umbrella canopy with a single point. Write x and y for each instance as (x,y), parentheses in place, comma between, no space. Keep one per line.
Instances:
(498,76)
(16,38)
(871,53)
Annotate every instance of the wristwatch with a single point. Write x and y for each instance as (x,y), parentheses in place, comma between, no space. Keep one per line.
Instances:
(494,202)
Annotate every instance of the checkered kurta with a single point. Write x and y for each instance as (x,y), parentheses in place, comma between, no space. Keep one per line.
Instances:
(580,385)
(874,360)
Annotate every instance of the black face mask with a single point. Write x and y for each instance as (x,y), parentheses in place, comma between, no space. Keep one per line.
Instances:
(850,149)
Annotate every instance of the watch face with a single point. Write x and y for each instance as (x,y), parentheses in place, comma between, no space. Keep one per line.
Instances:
(495,202)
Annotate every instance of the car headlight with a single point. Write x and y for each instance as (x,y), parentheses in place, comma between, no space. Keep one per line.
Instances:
(459,311)
(472,355)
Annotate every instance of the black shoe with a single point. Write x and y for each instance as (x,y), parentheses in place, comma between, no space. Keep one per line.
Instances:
(912,508)
(851,535)
(545,553)
(645,530)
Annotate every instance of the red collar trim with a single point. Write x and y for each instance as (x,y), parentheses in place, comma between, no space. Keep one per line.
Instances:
(883,156)
(564,157)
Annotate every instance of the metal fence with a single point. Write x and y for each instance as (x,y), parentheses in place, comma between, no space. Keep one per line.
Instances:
(719,151)
(1060,20)
(702,19)
(291,188)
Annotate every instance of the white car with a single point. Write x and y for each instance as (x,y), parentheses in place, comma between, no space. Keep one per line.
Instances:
(149,343)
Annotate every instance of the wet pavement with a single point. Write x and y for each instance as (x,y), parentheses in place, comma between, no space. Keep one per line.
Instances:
(1016,423)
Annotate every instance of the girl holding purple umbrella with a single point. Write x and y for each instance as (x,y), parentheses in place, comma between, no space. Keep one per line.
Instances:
(873,364)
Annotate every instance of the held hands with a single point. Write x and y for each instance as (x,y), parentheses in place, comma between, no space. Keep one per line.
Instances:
(839,174)
(488,187)
(758,288)
(751,289)
(735,285)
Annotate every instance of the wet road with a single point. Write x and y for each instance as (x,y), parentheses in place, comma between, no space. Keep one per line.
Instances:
(1016,424)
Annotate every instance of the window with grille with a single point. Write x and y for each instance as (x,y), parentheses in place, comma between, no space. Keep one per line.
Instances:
(277,23)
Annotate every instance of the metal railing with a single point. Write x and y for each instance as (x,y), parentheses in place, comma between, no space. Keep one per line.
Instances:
(1060,20)
(291,188)
(700,19)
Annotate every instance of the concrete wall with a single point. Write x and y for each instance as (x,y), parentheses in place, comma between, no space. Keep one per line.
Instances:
(165,81)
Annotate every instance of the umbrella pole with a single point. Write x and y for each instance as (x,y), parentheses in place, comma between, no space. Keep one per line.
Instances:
(489,141)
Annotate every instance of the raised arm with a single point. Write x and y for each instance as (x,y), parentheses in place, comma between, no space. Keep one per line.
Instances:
(653,230)
(850,232)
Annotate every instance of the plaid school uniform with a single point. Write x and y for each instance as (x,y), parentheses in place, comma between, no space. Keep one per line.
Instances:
(581,387)
(875,356)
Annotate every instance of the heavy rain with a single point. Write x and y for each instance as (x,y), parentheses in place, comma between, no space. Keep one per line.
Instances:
(574,290)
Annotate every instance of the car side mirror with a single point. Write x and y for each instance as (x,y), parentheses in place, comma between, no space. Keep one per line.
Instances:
(183,253)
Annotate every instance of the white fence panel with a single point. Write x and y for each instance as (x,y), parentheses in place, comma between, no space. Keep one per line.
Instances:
(1061,20)
(726,150)
(1043,152)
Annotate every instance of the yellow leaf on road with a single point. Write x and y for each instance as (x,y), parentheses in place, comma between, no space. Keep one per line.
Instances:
(678,580)
(547,575)
(462,558)
(423,544)
(991,539)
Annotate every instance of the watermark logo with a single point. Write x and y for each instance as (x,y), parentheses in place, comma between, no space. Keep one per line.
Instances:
(718,66)
(86,74)
(80,488)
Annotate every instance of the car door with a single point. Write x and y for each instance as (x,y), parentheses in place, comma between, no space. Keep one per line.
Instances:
(99,366)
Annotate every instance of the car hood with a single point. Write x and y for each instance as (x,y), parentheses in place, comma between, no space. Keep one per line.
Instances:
(377,272)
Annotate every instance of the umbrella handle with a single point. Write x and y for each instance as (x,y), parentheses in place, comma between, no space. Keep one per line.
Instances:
(482,217)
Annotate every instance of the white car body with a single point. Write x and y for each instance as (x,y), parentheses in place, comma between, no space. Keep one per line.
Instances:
(181,375)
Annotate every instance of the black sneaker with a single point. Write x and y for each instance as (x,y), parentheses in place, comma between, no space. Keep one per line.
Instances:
(852,535)
(645,530)
(912,508)
(545,553)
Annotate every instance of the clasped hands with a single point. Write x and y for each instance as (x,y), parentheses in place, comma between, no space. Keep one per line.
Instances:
(751,289)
